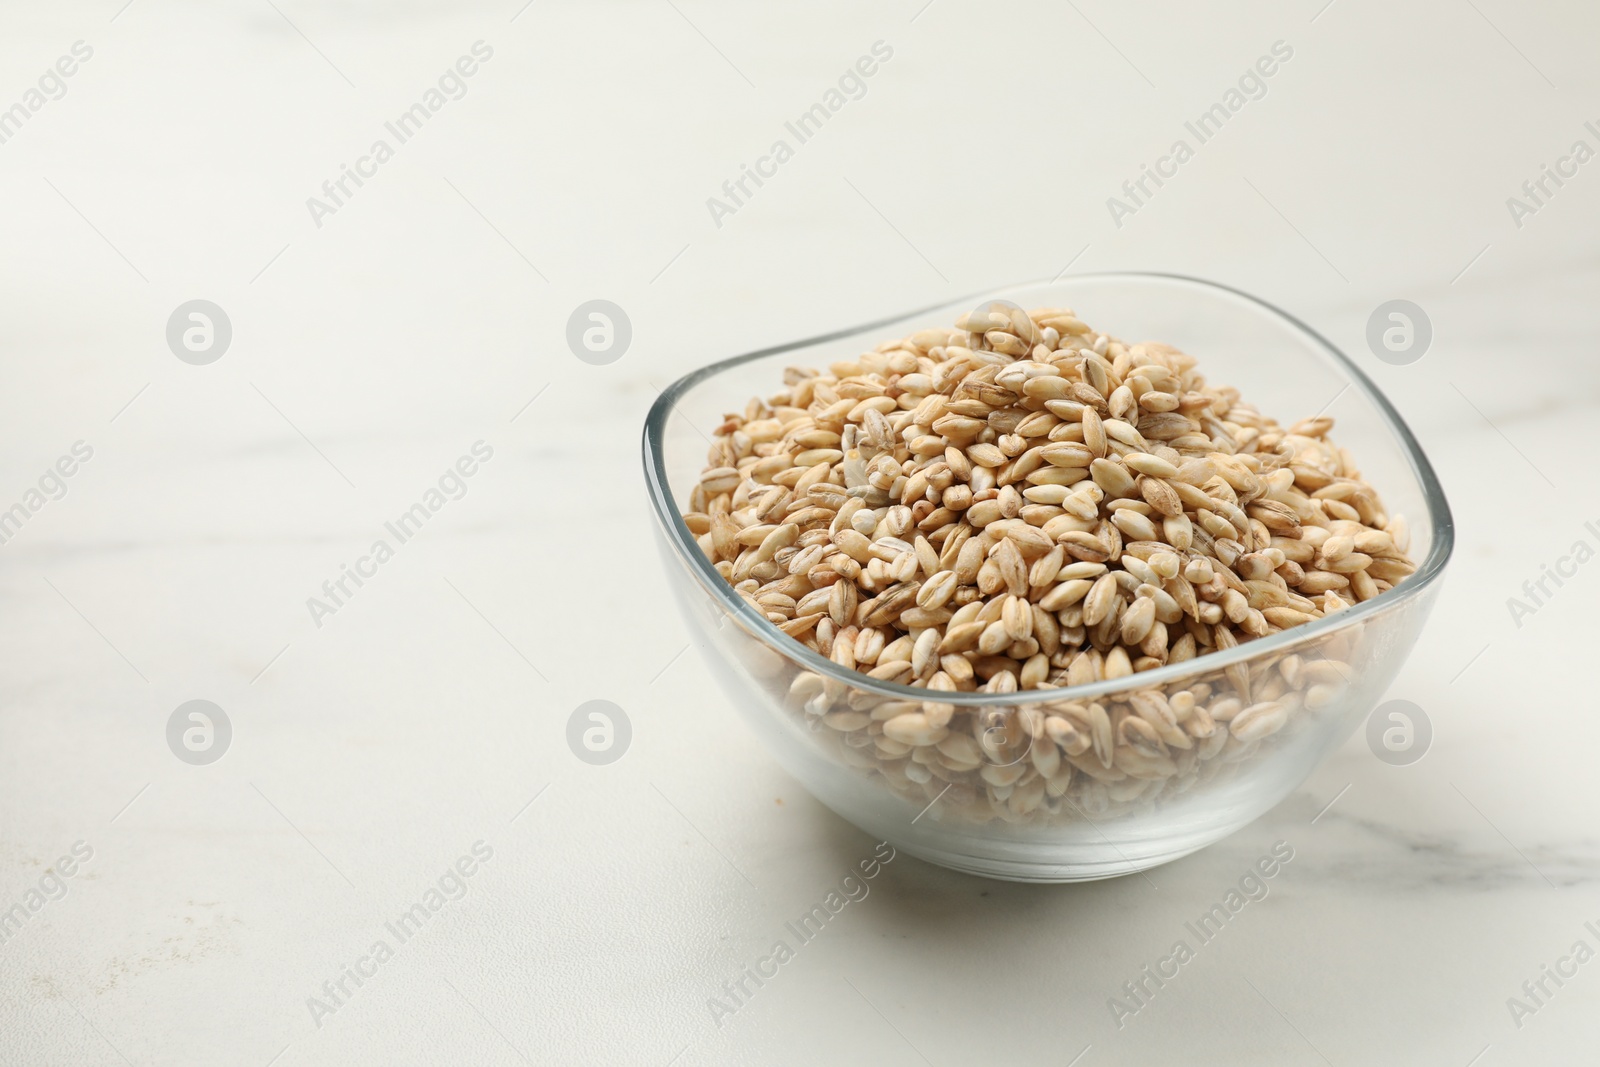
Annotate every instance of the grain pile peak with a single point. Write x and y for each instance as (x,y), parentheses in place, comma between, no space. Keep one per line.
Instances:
(1021,502)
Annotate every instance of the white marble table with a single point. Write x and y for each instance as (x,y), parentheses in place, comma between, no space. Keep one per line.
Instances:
(375,747)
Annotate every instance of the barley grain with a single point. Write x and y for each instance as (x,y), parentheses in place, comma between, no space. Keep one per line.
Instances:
(1022,503)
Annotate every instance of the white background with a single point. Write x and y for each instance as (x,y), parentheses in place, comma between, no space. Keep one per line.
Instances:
(370,352)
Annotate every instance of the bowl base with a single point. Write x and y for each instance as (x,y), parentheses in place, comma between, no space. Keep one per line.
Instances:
(1007,870)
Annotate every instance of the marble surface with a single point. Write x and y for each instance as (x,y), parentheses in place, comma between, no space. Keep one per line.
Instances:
(427,715)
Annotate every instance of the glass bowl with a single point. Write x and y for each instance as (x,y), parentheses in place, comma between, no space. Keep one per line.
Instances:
(1015,803)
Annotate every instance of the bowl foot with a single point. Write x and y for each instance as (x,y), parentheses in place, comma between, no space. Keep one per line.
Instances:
(1030,870)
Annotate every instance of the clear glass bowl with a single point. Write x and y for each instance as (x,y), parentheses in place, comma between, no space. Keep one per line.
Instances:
(1014,804)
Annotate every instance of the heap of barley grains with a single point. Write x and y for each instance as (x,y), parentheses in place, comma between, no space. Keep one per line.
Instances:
(1021,503)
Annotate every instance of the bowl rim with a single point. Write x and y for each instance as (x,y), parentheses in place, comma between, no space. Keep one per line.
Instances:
(687,548)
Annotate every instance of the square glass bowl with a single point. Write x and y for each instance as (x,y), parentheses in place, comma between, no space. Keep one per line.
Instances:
(1016,803)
